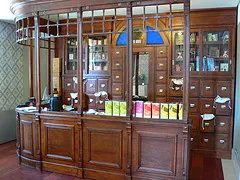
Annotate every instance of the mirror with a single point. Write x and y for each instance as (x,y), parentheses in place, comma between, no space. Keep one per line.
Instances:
(140,75)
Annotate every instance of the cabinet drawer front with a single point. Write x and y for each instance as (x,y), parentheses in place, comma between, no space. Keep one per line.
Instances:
(207,106)
(117,89)
(67,98)
(117,53)
(222,142)
(194,140)
(103,85)
(224,88)
(194,88)
(117,64)
(223,109)
(161,99)
(91,86)
(195,121)
(69,85)
(117,76)
(193,105)
(162,51)
(208,88)
(100,103)
(91,101)
(161,90)
(161,64)
(208,126)
(161,76)
(206,141)
(222,124)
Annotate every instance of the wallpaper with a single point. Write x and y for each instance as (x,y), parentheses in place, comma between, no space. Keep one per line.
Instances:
(11,68)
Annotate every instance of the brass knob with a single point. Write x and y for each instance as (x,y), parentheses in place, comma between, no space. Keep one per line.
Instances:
(223,106)
(205,140)
(103,85)
(117,77)
(192,87)
(222,141)
(117,64)
(192,105)
(160,64)
(207,105)
(117,89)
(208,88)
(90,85)
(222,124)
(161,52)
(90,100)
(161,77)
(192,139)
(223,88)
(69,84)
(207,124)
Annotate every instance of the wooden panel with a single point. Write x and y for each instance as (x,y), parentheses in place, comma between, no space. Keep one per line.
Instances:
(208,88)
(117,63)
(224,88)
(117,89)
(194,88)
(223,109)
(222,142)
(161,76)
(161,90)
(207,106)
(117,53)
(117,76)
(161,64)
(58,141)
(69,85)
(162,51)
(223,124)
(91,86)
(103,85)
(207,126)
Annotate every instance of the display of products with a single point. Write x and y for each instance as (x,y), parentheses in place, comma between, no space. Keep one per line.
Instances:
(139,109)
(164,111)
(109,108)
(116,108)
(123,109)
(173,111)
(155,110)
(147,110)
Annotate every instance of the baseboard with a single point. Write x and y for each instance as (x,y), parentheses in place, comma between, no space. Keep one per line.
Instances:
(236,162)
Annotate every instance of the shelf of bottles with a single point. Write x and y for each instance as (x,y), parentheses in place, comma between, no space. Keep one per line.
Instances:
(98,54)
(179,51)
(216,51)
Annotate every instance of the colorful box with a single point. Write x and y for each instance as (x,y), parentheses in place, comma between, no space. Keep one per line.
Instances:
(173,111)
(139,109)
(147,110)
(164,111)
(155,110)
(109,108)
(133,109)
(123,109)
(180,111)
(116,108)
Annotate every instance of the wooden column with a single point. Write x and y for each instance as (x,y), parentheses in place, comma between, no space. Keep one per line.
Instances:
(186,74)
(80,59)
(37,62)
(30,70)
(129,59)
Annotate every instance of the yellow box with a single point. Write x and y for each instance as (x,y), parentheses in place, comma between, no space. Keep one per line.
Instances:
(173,111)
(109,108)
(123,109)
(116,108)
(180,111)
(164,111)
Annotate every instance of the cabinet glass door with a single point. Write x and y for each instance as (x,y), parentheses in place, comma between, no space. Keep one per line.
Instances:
(98,54)
(71,62)
(216,51)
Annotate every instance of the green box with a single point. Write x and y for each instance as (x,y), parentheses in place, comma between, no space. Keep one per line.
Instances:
(116,108)
(109,108)
(123,109)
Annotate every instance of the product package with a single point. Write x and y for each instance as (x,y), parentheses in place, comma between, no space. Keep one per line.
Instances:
(173,111)
(147,110)
(139,109)
(109,108)
(164,111)
(123,109)
(116,108)
(180,111)
(133,109)
(155,110)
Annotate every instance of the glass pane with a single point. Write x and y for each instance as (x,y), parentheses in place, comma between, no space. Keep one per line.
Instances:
(179,50)
(72,54)
(215,51)
(194,51)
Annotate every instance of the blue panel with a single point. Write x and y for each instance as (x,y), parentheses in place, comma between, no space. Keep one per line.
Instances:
(154,37)
(122,38)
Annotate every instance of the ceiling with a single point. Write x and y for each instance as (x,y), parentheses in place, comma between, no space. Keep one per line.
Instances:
(6,15)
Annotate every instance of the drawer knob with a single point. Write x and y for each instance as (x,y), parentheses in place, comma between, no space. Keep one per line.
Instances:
(161,77)
(206,124)
(117,64)
(223,106)
(68,99)
(117,52)
(207,105)
(117,77)
(222,124)
(161,90)
(90,100)
(69,84)
(103,85)
(192,105)
(160,64)
(76,101)
(205,140)
(90,85)
(192,139)
(192,87)
(222,141)
(223,88)
(208,88)
(100,102)
(161,52)
(117,89)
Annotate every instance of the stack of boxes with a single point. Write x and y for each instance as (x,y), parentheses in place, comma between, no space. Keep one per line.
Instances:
(56,74)
(115,108)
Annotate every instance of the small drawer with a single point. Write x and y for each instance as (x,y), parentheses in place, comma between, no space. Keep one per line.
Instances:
(161,76)
(103,85)
(208,125)
(223,109)
(222,124)
(176,93)
(117,76)
(91,101)
(117,64)
(208,88)
(100,103)
(117,53)
(193,105)
(222,142)
(207,106)
(161,64)
(195,121)
(91,86)
(117,89)
(69,85)
(194,88)
(224,88)
(161,90)
(194,140)
(206,141)
(162,51)
(67,100)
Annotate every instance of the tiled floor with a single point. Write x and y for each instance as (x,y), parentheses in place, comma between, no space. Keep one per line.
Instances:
(228,171)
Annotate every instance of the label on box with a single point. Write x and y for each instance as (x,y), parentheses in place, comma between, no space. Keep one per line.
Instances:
(180,111)
(172,111)
(116,108)
(147,110)
(123,109)
(109,108)
(133,109)
(139,109)
(164,111)
(155,110)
